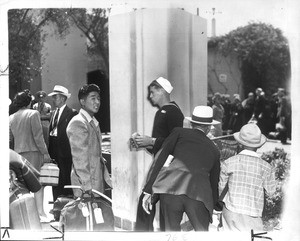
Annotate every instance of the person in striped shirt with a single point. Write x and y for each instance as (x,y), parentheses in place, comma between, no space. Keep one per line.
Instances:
(246,176)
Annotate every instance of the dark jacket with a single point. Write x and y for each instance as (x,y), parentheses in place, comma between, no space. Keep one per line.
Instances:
(62,150)
(166,119)
(194,170)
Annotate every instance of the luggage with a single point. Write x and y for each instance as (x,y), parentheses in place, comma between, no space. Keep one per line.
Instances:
(58,205)
(26,176)
(49,174)
(85,214)
(23,213)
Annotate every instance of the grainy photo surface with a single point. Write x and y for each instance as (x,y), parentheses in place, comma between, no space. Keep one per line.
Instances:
(67,64)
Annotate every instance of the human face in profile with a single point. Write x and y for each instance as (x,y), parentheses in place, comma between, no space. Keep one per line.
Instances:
(155,95)
(91,103)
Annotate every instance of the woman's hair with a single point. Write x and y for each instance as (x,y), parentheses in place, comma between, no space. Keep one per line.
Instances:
(22,99)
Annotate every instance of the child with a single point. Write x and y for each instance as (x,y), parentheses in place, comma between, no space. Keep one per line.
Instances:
(247,176)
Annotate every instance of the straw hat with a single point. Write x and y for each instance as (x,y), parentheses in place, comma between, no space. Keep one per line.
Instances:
(58,89)
(250,135)
(203,115)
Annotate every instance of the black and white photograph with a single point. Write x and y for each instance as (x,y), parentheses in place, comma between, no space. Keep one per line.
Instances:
(149,120)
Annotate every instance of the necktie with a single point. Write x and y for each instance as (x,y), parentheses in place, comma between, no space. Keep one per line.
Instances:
(55,119)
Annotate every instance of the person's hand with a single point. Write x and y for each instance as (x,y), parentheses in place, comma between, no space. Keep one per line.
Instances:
(143,141)
(147,206)
(87,193)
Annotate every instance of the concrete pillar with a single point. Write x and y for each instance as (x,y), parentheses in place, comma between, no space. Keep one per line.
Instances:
(144,45)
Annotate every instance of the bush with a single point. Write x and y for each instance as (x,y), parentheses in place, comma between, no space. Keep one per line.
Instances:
(273,204)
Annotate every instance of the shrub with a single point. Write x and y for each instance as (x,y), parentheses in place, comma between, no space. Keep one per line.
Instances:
(273,204)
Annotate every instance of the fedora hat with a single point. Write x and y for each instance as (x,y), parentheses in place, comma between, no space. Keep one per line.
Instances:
(58,89)
(250,135)
(203,115)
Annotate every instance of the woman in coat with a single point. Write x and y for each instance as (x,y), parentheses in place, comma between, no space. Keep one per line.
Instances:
(26,135)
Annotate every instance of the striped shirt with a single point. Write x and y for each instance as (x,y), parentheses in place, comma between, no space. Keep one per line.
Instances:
(247,176)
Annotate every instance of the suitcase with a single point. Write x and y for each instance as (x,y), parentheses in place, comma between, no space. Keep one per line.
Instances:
(49,174)
(23,213)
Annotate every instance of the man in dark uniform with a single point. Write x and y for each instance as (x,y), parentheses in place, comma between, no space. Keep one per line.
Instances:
(59,146)
(166,119)
(284,116)
(259,112)
(186,173)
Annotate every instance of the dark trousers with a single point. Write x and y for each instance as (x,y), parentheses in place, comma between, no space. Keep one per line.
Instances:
(144,221)
(173,207)
(64,165)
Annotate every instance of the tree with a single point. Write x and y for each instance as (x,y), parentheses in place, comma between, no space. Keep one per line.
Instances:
(26,39)
(25,43)
(263,52)
(94,25)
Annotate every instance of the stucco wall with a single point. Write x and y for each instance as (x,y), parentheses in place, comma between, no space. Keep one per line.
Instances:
(218,64)
(64,62)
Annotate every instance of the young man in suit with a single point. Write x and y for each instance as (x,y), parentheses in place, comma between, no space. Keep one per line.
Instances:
(185,174)
(59,147)
(89,170)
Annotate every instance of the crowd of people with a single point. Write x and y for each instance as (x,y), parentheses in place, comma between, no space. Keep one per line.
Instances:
(186,174)
(272,115)
(70,138)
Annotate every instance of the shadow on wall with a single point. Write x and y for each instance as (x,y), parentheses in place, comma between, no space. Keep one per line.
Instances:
(99,78)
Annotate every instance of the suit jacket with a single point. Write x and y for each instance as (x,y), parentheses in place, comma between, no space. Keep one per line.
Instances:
(88,169)
(62,150)
(194,170)
(26,131)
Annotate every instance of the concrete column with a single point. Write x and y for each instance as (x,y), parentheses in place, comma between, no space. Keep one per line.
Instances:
(144,45)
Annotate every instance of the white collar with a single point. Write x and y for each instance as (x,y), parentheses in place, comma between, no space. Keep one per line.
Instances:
(88,116)
(61,109)
(249,153)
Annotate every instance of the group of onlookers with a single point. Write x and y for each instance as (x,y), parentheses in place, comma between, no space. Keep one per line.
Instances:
(272,115)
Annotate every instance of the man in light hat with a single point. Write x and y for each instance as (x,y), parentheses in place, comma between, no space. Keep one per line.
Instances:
(247,176)
(185,174)
(59,147)
(166,119)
